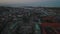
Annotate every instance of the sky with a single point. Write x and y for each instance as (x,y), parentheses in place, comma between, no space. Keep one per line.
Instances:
(44,3)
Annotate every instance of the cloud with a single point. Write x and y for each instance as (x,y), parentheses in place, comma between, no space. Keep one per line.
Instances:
(18,1)
(45,3)
(22,1)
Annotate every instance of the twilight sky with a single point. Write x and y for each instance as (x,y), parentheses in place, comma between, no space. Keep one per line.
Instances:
(47,3)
